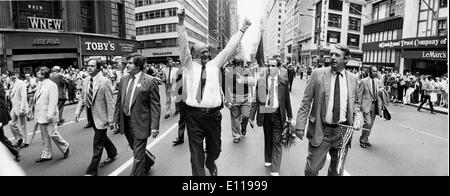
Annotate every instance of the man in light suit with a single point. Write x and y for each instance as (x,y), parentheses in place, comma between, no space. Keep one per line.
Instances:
(19,110)
(370,103)
(46,115)
(97,96)
(138,112)
(330,99)
(273,108)
(170,76)
(58,78)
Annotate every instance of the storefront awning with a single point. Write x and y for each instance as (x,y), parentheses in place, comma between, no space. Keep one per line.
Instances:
(354,63)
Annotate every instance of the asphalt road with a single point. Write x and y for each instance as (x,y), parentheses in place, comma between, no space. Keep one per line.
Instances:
(412,143)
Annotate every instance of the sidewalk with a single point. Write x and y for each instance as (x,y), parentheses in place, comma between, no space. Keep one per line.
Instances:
(437,109)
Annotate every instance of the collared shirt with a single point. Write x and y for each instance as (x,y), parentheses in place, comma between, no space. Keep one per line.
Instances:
(343,100)
(275,103)
(137,77)
(212,96)
(95,80)
(172,74)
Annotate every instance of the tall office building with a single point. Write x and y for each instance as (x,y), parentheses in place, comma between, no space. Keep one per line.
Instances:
(157,27)
(64,33)
(224,23)
(272,30)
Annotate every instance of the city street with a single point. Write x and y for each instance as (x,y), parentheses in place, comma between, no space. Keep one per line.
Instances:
(412,143)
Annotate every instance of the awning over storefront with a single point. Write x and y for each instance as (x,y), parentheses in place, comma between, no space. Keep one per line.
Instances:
(354,63)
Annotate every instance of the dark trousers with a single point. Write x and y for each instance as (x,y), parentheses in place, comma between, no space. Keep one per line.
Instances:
(71,93)
(201,126)
(273,128)
(424,100)
(61,103)
(182,121)
(301,75)
(101,141)
(317,155)
(143,159)
(369,121)
(5,141)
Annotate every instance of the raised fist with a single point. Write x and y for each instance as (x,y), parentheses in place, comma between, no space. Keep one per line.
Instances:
(181,15)
(246,24)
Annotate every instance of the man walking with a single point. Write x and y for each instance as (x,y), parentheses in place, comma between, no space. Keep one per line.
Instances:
(179,100)
(138,112)
(330,99)
(169,73)
(58,78)
(204,97)
(97,96)
(370,103)
(19,110)
(46,114)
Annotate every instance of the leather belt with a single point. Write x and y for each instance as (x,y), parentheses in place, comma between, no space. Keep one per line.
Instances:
(204,110)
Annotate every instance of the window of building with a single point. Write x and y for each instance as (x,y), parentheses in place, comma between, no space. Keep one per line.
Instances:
(354,24)
(333,37)
(390,35)
(379,10)
(383,56)
(388,56)
(442,27)
(385,35)
(334,20)
(394,35)
(355,8)
(353,40)
(335,5)
(442,3)
(393,56)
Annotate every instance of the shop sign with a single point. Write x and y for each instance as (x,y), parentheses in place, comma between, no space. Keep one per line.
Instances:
(162,53)
(409,43)
(107,46)
(46,42)
(45,23)
(40,41)
(430,55)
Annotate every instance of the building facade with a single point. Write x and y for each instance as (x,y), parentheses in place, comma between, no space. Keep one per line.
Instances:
(64,33)
(407,36)
(157,27)
(224,23)
(273,19)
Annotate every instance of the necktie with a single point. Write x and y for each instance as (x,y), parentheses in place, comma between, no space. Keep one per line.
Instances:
(271,93)
(374,90)
(337,99)
(90,93)
(201,85)
(127,104)
(168,79)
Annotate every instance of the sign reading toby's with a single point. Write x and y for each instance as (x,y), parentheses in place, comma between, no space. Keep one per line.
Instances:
(45,23)
(100,46)
(107,46)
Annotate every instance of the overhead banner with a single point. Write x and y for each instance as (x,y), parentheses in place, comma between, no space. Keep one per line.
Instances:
(409,43)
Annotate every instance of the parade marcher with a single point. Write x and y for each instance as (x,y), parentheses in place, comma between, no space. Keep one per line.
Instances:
(291,75)
(19,110)
(272,108)
(427,89)
(138,112)
(97,97)
(58,78)
(204,97)
(371,103)
(46,114)
(30,86)
(179,100)
(169,74)
(4,119)
(330,99)
(238,83)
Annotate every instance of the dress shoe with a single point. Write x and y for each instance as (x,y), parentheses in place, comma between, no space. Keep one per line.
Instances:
(275,174)
(368,144)
(40,160)
(88,126)
(213,171)
(363,145)
(166,116)
(17,158)
(24,146)
(236,140)
(244,132)
(19,143)
(108,161)
(177,142)
(66,154)
(267,164)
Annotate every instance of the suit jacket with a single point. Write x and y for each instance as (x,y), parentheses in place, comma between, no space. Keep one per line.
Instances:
(315,100)
(366,94)
(61,82)
(102,104)
(18,95)
(46,103)
(145,106)
(284,100)
(173,76)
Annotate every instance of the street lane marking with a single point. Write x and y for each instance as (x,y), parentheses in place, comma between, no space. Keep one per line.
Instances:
(130,162)
(39,131)
(424,133)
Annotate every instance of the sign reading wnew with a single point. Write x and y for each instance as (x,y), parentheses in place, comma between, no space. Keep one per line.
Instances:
(45,23)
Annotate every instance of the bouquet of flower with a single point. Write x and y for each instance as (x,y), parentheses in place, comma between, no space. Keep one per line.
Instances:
(288,135)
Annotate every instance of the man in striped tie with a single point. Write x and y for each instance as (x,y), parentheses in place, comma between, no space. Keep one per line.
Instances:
(97,97)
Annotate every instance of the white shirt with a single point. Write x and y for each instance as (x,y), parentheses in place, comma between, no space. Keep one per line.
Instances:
(275,103)
(343,99)
(137,77)
(212,96)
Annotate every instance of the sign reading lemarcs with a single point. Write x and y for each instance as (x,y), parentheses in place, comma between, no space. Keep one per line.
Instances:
(45,23)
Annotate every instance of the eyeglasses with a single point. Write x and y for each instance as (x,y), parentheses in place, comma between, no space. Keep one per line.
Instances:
(204,52)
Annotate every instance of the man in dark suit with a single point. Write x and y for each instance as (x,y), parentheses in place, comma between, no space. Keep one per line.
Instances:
(58,78)
(330,99)
(273,105)
(177,92)
(138,112)
(370,103)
